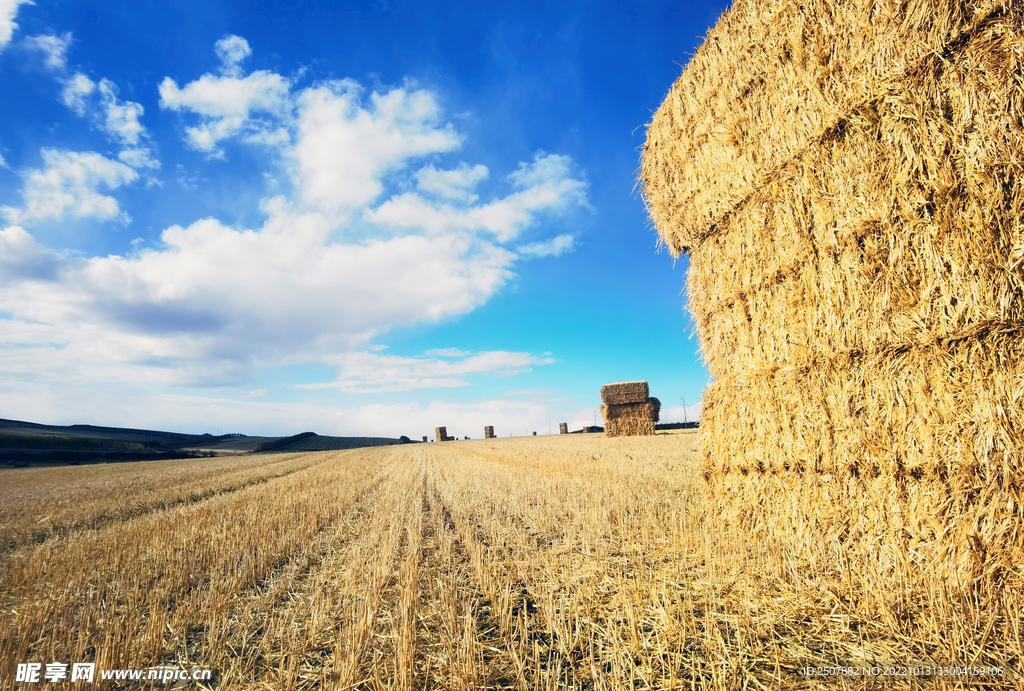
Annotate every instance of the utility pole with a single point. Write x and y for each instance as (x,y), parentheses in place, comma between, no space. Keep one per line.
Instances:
(683,399)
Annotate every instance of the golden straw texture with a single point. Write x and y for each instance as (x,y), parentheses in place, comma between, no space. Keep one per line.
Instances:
(848,179)
(625,392)
(628,419)
(655,408)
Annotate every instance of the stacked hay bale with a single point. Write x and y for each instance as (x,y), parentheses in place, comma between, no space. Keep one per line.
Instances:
(489,432)
(628,409)
(441,434)
(563,428)
(848,180)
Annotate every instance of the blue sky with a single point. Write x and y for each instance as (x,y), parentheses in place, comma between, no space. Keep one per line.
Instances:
(365,219)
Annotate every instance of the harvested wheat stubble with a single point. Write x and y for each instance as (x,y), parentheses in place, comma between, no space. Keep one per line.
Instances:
(628,419)
(848,178)
(625,392)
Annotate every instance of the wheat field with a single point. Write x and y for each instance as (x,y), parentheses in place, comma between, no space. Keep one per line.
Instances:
(559,562)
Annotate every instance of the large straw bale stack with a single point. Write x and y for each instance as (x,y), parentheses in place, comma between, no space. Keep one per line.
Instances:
(489,432)
(848,180)
(563,428)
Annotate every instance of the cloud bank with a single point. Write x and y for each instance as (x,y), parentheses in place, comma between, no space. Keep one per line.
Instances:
(374,233)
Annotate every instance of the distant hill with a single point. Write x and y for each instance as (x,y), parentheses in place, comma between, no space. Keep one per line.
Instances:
(23,443)
(310,441)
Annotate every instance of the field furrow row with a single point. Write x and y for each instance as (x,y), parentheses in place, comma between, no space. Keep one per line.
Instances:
(69,498)
(462,641)
(169,571)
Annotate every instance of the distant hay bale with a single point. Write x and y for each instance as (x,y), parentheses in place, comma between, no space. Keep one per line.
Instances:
(625,392)
(424,437)
(563,428)
(628,419)
(489,432)
(848,180)
(441,433)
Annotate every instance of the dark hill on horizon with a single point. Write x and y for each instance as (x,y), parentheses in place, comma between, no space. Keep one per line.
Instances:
(24,443)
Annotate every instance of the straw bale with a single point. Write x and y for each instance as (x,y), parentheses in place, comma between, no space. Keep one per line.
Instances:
(882,228)
(886,521)
(848,179)
(655,408)
(441,434)
(628,419)
(625,392)
(774,79)
(563,428)
(489,432)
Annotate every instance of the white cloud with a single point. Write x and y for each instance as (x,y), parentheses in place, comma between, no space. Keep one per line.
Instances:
(446,352)
(545,184)
(364,372)
(215,301)
(232,50)
(67,187)
(121,118)
(76,90)
(551,248)
(678,413)
(138,157)
(452,184)
(8,10)
(226,105)
(54,48)
(3,163)
(21,257)
(343,148)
